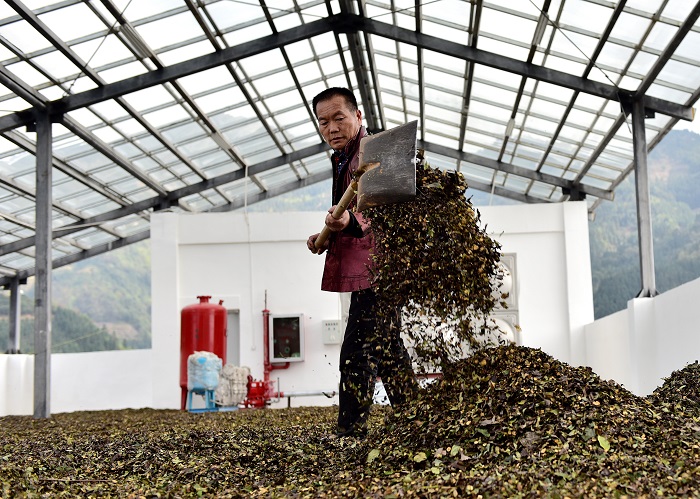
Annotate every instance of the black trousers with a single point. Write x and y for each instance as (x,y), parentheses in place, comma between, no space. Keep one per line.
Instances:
(371,347)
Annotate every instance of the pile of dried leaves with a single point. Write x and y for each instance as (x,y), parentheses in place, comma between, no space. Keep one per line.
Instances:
(509,421)
(682,388)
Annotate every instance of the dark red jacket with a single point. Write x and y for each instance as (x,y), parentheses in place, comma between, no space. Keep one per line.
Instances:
(348,257)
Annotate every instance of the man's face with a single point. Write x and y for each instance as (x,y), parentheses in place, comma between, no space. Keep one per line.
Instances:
(338,124)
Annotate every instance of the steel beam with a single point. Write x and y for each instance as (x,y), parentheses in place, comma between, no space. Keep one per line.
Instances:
(140,236)
(541,73)
(172,197)
(515,170)
(42,287)
(108,152)
(14,327)
(504,192)
(276,191)
(341,23)
(474,25)
(29,146)
(669,50)
(641,180)
(102,248)
(627,100)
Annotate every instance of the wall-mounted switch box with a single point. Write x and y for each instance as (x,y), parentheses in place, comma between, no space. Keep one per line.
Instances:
(331,332)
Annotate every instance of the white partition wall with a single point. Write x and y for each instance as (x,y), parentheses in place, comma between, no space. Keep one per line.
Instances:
(240,258)
(90,381)
(555,294)
(243,260)
(640,346)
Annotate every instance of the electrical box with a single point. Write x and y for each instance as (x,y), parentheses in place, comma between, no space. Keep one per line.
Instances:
(331,332)
(287,338)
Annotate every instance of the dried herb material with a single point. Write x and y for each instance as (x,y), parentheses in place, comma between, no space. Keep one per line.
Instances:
(681,389)
(435,262)
(507,422)
(515,419)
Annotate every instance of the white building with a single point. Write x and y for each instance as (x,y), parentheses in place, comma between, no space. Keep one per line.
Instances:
(244,259)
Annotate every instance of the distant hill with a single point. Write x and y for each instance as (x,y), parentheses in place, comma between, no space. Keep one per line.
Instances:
(114,289)
(71,331)
(674,171)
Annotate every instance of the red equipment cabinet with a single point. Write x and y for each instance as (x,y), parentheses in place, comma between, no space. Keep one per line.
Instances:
(202,329)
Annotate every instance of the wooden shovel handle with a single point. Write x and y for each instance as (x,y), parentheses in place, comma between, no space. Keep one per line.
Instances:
(340,208)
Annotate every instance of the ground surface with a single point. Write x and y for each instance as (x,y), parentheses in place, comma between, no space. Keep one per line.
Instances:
(511,422)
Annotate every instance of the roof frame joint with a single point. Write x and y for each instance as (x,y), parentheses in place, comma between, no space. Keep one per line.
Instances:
(627,104)
(35,112)
(573,193)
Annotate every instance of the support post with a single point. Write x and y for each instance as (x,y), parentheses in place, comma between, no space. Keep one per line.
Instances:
(42,286)
(14,316)
(641,178)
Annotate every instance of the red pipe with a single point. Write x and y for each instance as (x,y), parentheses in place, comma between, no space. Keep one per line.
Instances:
(269,366)
(260,393)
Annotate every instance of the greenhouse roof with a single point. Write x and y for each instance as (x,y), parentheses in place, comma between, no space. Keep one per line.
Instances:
(205,105)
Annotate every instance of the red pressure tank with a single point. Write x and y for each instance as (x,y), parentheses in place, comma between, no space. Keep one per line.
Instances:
(202,329)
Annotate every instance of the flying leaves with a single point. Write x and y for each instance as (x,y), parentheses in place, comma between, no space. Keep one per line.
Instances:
(434,261)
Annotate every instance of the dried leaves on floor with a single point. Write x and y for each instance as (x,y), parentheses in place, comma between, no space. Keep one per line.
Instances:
(507,422)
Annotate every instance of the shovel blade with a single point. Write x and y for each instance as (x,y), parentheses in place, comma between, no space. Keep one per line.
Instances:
(388,163)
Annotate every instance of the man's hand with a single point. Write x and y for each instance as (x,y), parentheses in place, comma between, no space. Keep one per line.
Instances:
(336,225)
(311,244)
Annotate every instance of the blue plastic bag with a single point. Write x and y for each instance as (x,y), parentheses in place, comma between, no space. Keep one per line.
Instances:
(203,370)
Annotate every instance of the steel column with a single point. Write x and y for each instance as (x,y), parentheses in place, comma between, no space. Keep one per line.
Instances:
(14,316)
(641,179)
(42,287)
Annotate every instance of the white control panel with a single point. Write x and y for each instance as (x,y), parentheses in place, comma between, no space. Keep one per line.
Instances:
(331,332)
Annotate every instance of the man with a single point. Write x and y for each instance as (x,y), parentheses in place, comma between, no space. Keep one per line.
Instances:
(372,345)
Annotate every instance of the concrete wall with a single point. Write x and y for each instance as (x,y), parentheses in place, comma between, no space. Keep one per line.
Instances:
(91,381)
(242,259)
(555,295)
(640,346)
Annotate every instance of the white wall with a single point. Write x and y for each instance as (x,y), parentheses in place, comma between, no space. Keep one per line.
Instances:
(555,297)
(239,258)
(91,381)
(242,259)
(640,346)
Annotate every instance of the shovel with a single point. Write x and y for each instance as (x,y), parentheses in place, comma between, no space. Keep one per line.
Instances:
(386,175)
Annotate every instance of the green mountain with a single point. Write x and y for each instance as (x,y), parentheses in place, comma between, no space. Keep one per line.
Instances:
(112,291)
(674,178)
(71,331)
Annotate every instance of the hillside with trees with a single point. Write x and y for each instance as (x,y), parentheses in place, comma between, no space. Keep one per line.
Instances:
(71,331)
(101,303)
(113,289)
(674,171)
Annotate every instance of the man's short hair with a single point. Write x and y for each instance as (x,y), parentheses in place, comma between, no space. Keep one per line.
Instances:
(329,93)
